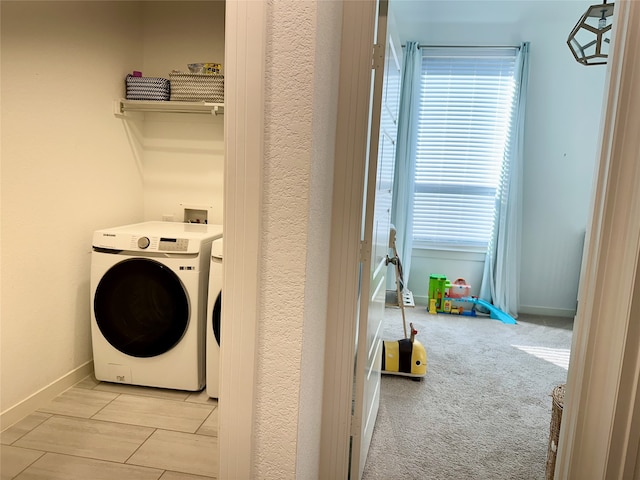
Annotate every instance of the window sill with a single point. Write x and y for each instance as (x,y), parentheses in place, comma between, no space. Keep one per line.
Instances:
(448,252)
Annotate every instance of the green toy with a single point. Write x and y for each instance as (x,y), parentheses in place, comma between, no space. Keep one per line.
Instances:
(438,284)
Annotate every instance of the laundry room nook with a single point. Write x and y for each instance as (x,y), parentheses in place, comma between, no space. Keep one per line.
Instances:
(179,150)
(78,158)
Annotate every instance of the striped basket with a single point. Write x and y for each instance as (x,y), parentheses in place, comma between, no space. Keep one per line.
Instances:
(147,88)
(196,87)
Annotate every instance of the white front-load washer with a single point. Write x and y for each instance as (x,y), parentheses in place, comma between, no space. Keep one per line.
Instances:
(214,315)
(149,301)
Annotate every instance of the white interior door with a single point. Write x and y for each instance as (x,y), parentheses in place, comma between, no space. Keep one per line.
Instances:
(374,248)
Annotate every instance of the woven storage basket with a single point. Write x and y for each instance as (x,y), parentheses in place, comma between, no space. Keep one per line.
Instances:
(554,429)
(197,87)
(147,88)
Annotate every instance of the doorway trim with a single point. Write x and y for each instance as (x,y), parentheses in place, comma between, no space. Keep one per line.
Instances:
(346,224)
(600,426)
(245,45)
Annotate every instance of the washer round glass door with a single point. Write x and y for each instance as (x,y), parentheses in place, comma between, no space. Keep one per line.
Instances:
(215,318)
(141,307)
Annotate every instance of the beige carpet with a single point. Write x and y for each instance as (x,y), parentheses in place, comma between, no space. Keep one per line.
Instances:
(484,408)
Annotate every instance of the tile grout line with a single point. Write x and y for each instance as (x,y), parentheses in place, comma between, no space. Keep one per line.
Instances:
(105,459)
(138,448)
(205,421)
(81,457)
(188,400)
(51,415)
(216,477)
(34,461)
(187,393)
(191,404)
(72,417)
(105,406)
(120,422)
(30,430)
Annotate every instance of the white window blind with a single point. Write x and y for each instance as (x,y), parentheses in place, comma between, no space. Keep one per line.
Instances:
(465,115)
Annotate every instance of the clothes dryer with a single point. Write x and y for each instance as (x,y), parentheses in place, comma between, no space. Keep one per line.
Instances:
(149,301)
(214,315)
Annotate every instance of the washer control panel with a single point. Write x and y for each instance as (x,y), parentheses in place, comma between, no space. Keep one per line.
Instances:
(173,244)
(160,244)
(166,238)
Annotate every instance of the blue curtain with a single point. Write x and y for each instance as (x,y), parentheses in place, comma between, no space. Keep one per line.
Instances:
(404,174)
(501,278)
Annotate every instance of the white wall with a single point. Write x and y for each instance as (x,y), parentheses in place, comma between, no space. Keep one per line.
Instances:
(69,166)
(562,127)
(561,140)
(182,154)
(67,169)
(183,158)
(301,105)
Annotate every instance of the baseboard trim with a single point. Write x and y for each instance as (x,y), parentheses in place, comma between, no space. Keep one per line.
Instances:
(422,301)
(34,402)
(547,311)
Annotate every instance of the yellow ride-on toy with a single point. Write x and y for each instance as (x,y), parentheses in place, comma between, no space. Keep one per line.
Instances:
(407,356)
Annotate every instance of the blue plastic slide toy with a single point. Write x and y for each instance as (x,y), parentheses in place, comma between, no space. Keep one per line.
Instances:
(494,312)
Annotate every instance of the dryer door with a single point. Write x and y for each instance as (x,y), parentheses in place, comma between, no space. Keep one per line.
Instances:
(141,307)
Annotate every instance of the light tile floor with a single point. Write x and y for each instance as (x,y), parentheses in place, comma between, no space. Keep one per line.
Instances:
(103,431)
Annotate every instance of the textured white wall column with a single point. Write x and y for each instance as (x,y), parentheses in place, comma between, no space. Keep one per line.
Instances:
(270,226)
(280,108)
(300,101)
(323,123)
(286,183)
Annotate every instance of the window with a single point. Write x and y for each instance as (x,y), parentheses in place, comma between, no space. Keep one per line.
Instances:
(466,103)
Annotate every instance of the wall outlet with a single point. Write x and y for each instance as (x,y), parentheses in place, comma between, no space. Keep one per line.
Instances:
(167,217)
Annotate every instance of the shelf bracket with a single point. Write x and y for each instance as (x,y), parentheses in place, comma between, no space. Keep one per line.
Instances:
(118,108)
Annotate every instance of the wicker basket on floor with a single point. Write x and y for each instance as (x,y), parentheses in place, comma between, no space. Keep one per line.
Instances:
(554,430)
